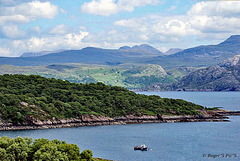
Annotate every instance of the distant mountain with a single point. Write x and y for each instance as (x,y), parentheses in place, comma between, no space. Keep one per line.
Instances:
(124,47)
(41,53)
(89,55)
(201,56)
(143,50)
(223,77)
(173,51)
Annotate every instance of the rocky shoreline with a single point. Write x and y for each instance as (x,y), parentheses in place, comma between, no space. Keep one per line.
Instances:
(93,120)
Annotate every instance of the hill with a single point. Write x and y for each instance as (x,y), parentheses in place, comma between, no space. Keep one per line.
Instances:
(142,50)
(131,76)
(201,56)
(27,99)
(173,51)
(41,53)
(89,55)
(223,77)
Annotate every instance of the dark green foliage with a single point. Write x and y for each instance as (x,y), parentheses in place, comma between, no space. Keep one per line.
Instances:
(60,67)
(22,149)
(87,154)
(48,98)
(148,80)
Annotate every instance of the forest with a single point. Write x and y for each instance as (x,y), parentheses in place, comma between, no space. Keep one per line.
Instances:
(49,98)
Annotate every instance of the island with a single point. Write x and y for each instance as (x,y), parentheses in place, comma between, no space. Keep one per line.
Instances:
(35,102)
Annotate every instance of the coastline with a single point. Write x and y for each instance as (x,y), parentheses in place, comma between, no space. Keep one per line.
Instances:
(93,120)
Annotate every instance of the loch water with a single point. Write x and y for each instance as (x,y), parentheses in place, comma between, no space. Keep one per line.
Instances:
(193,141)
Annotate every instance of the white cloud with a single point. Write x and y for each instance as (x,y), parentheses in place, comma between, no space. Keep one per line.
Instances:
(213,17)
(15,19)
(59,30)
(25,12)
(63,11)
(36,29)
(5,52)
(201,22)
(127,23)
(174,27)
(108,7)
(75,40)
(12,31)
(172,8)
(101,7)
(36,43)
(46,42)
(217,8)
(67,41)
(7,2)
(204,19)
(16,2)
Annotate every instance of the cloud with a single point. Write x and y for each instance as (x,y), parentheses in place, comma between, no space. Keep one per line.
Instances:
(14,19)
(25,12)
(102,7)
(7,3)
(45,42)
(59,30)
(67,41)
(12,31)
(174,27)
(215,17)
(108,7)
(75,40)
(172,8)
(36,43)
(219,8)
(5,51)
(63,11)
(36,29)
(127,23)
(204,19)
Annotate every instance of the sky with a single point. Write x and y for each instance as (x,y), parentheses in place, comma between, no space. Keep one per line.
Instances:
(48,25)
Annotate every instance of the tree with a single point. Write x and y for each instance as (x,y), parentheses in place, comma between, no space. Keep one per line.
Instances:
(87,155)
(21,149)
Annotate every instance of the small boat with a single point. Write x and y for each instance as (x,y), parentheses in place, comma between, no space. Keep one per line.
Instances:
(142,147)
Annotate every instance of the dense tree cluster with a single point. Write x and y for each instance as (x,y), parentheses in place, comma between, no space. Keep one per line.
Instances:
(148,80)
(23,149)
(48,98)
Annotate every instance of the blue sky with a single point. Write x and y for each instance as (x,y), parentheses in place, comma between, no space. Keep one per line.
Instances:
(46,25)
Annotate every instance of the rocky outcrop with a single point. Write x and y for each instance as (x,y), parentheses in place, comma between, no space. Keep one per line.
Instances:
(223,77)
(96,120)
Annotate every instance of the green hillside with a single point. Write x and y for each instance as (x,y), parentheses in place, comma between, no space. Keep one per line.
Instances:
(128,76)
(23,97)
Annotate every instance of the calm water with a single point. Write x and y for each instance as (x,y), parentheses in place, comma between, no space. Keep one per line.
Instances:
(168,141)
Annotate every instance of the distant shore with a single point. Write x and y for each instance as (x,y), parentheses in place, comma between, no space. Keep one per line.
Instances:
(93,120)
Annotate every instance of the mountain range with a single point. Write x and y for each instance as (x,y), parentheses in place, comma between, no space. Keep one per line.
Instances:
(41,53)
(143,50)
(173,51)
(88,55)
(201,56)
